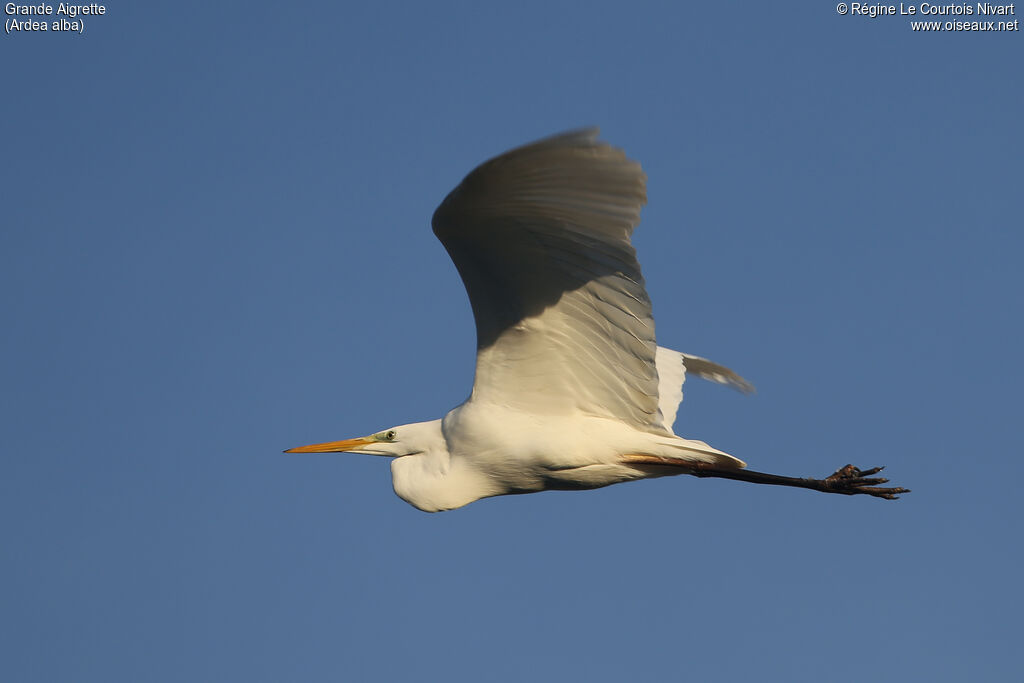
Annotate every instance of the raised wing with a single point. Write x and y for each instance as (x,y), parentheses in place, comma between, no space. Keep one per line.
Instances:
(540,236)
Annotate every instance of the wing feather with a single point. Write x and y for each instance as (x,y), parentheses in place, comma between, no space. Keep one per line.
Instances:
(540,236)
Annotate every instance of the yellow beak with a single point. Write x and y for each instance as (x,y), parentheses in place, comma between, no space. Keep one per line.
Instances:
(334,446)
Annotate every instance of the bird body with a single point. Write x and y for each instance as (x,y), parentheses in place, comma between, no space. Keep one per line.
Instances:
(571,390)
(481,449)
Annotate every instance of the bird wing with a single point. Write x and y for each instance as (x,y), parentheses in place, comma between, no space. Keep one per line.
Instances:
(540,237)
(672,368)
(713,372)
(671,376)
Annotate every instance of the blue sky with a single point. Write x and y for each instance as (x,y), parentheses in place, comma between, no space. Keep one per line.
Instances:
(216,245)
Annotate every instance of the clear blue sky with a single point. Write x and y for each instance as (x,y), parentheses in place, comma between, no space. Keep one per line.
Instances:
(216,245)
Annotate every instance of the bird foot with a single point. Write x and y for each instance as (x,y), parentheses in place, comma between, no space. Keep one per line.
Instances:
(851,481)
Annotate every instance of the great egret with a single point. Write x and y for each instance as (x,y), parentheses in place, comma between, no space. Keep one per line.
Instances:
(571,391)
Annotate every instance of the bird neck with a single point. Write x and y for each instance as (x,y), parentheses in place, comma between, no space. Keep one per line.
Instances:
(433,480)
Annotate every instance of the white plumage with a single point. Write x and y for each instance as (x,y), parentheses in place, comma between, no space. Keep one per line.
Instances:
(571,390)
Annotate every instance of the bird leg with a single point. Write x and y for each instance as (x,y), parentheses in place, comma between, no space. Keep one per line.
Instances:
(847,480)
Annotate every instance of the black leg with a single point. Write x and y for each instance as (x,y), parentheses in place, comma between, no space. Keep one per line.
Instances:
(848,480)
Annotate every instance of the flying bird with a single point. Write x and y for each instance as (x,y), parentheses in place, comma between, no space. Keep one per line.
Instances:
(571,389)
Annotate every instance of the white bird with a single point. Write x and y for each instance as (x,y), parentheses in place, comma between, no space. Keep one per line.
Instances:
(571,390)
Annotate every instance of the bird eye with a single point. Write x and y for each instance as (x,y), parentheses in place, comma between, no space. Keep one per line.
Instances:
(390,435)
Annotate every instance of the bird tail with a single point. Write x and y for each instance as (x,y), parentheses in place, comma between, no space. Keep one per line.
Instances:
(691,449)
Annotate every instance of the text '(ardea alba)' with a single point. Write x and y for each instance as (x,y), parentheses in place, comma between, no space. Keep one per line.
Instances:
(571,390)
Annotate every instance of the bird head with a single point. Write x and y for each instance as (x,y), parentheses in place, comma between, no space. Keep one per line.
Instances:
(385,442)
(410,439)
(422,472)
